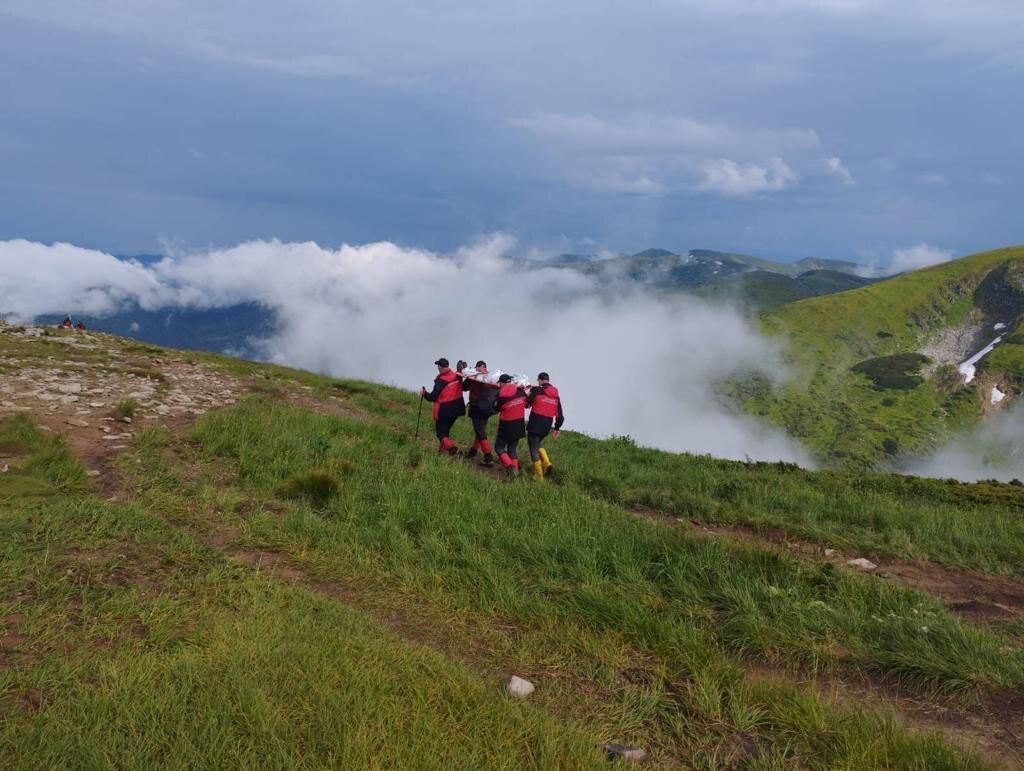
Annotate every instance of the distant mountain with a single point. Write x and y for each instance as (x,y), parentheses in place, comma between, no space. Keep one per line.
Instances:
(762,290)
(233,329)
(755,283)
(889,368)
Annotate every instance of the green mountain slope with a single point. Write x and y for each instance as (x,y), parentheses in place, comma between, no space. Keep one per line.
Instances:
(277,572)
(893,403)
(762,290)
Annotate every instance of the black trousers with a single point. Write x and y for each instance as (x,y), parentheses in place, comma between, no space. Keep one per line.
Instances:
(479,426)
(533,441)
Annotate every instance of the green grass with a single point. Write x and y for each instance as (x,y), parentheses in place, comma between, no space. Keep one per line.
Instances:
(428,582)
(975,526)
(839,414)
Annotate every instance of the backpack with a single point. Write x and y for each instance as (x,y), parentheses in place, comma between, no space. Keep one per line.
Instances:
(488,402)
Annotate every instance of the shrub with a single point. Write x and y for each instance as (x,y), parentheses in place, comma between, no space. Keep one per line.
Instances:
(318,487)
(126,408)
(890,446)
(896,372)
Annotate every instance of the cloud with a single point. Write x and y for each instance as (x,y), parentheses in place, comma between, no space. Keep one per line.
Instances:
(729,178)
(658,153)
(992,450)
(920,255)
(932,178)
(382,312)
(835,167)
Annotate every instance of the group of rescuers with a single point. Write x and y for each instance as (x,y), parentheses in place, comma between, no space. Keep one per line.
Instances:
(506,399)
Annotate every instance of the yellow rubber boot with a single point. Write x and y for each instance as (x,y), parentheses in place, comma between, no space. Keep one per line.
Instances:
(544,460)
(538,469)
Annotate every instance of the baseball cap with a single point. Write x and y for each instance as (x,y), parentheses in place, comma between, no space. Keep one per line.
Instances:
(481,363)
(505,378)
(543,376)
(442,362)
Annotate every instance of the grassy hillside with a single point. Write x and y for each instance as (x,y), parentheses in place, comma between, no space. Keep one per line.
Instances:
(945,313)
(288,577)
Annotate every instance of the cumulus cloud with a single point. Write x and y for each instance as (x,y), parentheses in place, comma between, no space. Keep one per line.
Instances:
(650,153)
(993,450)
(920,255)
(628,363)
(836,168)
(730,178)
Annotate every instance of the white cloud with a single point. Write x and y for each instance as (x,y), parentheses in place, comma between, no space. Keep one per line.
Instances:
(729,178)
(650,153)
(932,178)
(920,255)
(382,312)
(836,168)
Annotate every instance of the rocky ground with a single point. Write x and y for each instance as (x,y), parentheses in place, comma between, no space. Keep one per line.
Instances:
(98,391)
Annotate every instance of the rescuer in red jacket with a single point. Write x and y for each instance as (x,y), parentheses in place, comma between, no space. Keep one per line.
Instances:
(511,423)
(448,404)
(545,412)
(482,404)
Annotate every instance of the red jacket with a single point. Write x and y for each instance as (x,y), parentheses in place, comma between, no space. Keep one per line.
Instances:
(447,388)
(512,402)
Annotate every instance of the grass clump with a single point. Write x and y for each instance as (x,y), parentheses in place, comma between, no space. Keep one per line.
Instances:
(317,486)
(126,408)
(43,464)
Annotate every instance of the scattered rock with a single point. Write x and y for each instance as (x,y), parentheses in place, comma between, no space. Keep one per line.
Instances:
(126,419)
(92,473)
(830,552)
(519,687)
(97,405)
(862,564)
(70,388)
(4,469)
(628,754)
(77,422)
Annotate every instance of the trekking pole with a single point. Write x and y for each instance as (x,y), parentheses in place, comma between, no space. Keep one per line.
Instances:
(419,411)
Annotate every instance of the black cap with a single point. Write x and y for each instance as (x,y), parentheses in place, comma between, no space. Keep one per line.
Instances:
(442,362)
(481,363)
(543,376)
(505,378)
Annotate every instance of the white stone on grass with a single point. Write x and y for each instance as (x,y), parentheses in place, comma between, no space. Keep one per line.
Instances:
(862,564)
(519,687)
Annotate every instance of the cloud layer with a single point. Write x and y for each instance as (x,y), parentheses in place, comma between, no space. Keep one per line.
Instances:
(627,364)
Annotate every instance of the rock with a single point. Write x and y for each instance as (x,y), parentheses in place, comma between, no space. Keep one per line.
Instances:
(126,419)
(97,405)
(862,564)
(77,422)
(8,405)
(519,687)
(92,473)
(70,388)
(830,552)
(628,754)
(4,469)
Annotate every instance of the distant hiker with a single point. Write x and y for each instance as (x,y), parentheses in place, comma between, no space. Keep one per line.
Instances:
(483,402)
(67,322)
(511,423)
(80,326)
(448,404)
(545,411)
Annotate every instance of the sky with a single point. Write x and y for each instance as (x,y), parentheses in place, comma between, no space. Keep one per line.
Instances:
(854,129)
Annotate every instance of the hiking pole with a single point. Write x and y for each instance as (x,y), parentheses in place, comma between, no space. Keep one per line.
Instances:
(419,411)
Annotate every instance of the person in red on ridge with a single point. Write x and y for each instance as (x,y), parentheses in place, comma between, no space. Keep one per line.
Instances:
(511,423)
(482,405)
(448,404)
(66,324)
(545,411)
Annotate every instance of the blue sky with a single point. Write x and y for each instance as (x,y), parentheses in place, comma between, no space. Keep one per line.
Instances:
(783,128)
